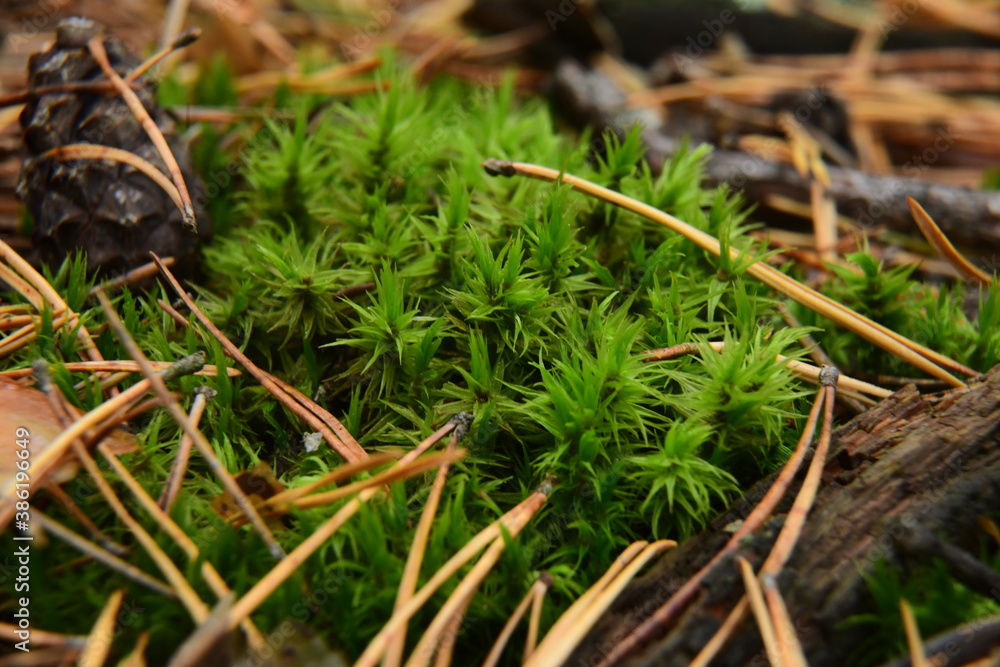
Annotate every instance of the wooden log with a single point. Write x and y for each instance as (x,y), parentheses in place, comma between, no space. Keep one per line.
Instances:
(906,481)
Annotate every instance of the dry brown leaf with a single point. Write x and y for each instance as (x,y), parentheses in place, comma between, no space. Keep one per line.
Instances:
(259,484)
(28,408)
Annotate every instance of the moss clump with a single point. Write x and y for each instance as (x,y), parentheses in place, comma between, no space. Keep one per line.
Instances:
(369,259)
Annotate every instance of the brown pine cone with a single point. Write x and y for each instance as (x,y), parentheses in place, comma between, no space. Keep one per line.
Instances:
(108,209)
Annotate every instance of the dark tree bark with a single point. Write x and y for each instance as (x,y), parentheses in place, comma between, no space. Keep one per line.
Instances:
(968,217)
(906,481)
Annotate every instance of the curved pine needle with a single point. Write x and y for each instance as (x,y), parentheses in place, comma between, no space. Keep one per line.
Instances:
(535,621)
(99,152)
(943,246)
(96,47)
(917,355)
(568,618)
(335,435)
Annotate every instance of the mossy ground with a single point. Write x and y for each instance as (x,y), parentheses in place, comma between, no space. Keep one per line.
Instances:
(518,301)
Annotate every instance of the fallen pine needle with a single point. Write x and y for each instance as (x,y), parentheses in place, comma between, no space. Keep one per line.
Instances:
(183,589)
(118,366)
(535,620)
(759,607)
(790,531)
(722,635)
(204,447)
(919,356)
(96,47)
(569,617)
(556,647)
(39,283)
(172,487)
(338,438)
(918,657)
(211,576)
(101,554)
(99,642)
(788,642)
(112,154)
(270,582)
(536,591)
(377,646)
(8,633)
(854,388)
(415,557)
(943,246)
(137,658)
(463,593)
(679,600)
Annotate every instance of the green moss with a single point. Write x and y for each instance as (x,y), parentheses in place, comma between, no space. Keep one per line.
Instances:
(369,258)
